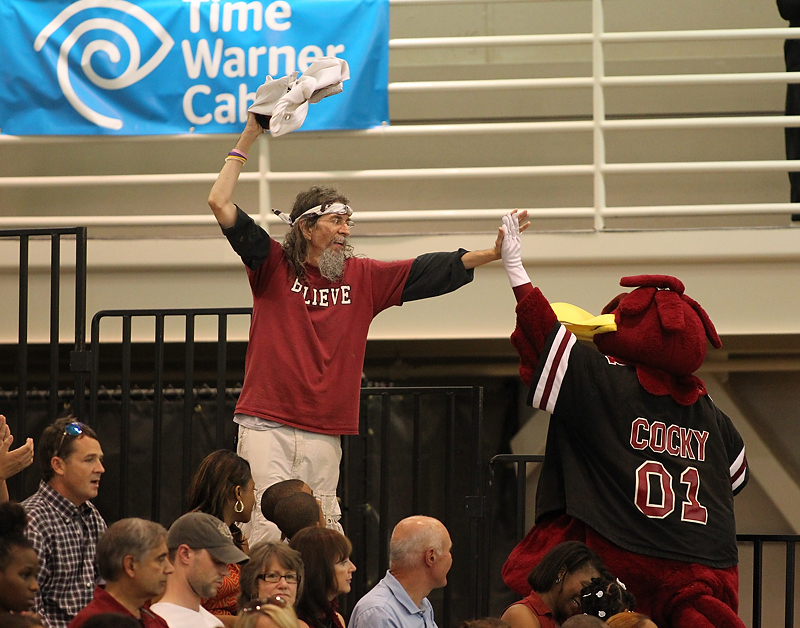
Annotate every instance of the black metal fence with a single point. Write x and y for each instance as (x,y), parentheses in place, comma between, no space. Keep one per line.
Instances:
(758,542)
(19,424)
(520,462)
(160,394)
(419,452)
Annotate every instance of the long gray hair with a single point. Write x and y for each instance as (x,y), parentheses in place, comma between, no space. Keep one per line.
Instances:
(295,244)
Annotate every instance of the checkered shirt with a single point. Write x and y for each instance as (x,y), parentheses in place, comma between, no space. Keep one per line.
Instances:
(65,538)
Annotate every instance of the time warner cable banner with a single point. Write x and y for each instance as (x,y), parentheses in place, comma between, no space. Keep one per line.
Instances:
(95,67)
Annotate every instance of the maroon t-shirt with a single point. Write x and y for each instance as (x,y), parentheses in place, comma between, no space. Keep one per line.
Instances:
(308,338)
(103,602)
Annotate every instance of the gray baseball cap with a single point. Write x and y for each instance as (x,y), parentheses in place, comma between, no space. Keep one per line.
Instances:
(200,530)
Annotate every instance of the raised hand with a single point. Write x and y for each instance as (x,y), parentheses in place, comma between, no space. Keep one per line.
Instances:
(511,247)
(12,462)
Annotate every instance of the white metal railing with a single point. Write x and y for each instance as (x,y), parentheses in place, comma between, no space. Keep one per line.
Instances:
(598,125)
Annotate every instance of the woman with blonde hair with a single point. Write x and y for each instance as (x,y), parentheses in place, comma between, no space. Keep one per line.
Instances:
(272,612)
(630,620)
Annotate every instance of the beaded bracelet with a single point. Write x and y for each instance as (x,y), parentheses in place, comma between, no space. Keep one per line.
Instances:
(237,155)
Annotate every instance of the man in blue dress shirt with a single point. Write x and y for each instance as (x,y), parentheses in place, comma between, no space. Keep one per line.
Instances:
(419,560)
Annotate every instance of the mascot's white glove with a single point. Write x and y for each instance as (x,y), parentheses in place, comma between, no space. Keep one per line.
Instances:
(511,251)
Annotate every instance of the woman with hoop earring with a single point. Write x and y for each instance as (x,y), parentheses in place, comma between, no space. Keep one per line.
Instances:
(223,487)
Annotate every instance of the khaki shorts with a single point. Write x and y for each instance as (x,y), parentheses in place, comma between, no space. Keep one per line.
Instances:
(285,453)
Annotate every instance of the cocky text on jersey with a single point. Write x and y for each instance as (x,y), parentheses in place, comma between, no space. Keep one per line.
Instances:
(673,439)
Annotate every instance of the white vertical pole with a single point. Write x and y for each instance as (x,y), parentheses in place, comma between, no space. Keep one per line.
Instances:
(598,114)
(264,196)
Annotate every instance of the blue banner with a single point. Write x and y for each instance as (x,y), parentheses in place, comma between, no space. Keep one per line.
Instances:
(113,67)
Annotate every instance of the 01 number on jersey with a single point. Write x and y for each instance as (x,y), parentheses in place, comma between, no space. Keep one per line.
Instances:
(651,504)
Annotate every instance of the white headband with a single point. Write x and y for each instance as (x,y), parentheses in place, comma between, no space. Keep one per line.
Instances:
(319,210)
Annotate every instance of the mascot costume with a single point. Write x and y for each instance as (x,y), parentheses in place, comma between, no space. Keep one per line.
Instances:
(640,464)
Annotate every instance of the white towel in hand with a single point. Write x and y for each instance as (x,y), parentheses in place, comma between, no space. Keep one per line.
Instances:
(271,92)
(286,100)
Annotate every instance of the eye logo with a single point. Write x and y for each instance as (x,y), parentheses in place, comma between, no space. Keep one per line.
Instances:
(133,73)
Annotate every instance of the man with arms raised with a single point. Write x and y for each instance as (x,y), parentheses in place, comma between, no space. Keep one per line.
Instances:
(313,302)
(200,549)
(132,559)
(419,560)
(63,524)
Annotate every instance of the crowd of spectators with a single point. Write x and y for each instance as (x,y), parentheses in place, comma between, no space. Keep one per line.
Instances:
(61,567)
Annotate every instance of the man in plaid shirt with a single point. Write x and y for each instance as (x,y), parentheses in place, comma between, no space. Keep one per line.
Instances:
(63,524)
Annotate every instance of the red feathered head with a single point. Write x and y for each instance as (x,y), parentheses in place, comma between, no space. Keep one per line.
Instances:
(658,326)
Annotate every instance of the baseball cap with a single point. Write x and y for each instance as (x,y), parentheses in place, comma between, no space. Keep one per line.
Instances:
(200,530)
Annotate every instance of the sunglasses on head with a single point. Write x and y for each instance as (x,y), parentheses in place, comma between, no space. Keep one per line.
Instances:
(71,429)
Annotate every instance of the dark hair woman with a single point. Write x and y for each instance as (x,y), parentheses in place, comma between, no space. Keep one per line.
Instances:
(223,487)
(19,564)
(328,572)
(556,585)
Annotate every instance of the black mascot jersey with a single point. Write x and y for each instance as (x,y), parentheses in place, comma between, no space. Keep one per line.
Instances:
(650,475)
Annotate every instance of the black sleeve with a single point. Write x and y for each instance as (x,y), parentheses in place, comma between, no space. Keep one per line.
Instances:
(434,274)
(790,10)
(249,240)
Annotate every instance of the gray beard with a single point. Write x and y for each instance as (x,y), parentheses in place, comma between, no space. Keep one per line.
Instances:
(331,264)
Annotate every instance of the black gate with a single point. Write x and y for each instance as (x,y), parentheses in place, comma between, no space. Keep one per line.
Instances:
(128,410)
(419,452)
(19,422)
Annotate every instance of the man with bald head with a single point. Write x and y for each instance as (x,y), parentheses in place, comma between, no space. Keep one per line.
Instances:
(419,559)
